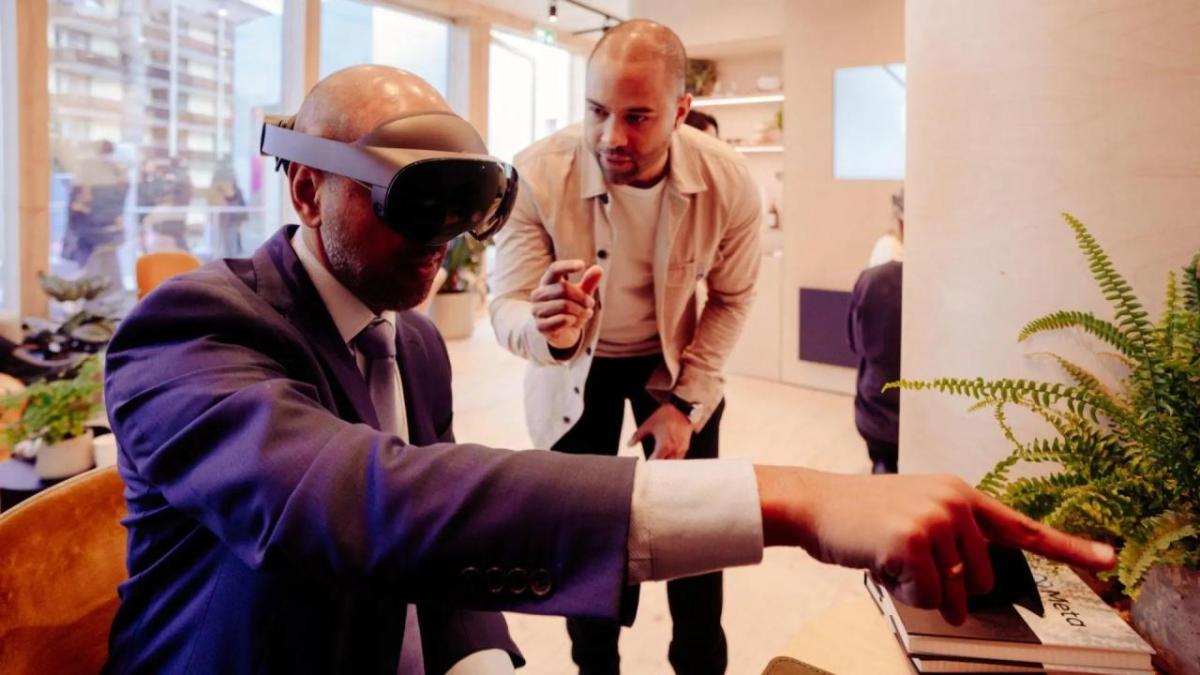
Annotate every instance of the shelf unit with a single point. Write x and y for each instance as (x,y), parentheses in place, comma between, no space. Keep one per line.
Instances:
(717,101)
(757,149)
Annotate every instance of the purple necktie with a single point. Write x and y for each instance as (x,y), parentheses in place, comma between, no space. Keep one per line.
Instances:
(377,342)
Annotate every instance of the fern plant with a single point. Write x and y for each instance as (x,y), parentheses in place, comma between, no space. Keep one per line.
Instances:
(1124,466)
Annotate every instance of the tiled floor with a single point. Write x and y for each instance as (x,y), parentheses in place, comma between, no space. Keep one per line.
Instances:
(766,422)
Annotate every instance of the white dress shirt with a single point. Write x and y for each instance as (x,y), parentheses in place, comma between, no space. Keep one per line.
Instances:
(686,517)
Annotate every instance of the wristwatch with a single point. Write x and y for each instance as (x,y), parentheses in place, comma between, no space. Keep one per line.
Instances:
(692,411)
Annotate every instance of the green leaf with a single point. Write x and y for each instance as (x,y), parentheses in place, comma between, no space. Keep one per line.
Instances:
(1141,553)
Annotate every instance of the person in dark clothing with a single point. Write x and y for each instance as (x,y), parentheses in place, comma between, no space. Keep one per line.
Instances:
(704,122)
(873,328)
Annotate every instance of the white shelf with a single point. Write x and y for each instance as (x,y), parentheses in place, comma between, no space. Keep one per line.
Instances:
(714,101)
(752,149)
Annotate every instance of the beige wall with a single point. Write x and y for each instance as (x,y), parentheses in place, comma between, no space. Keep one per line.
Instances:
(715,22)
(829,224)
(1019,110)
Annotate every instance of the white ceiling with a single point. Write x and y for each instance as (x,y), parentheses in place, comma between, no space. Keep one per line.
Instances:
(570,17)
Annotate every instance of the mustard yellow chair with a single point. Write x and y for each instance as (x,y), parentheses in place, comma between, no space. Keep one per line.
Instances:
(155,268)
(62,555)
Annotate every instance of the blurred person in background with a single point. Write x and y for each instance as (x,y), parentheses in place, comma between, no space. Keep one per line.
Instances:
(166,188)
(890,246)
(227,199)
(704,122)
(873,330)
(95,225)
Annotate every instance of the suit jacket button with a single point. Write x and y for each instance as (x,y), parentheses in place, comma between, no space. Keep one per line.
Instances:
(472,580)
(539,582)
(518,581)
(494,579)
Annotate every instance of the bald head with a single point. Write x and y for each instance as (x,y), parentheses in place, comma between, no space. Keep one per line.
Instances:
(643,42)
(351,102)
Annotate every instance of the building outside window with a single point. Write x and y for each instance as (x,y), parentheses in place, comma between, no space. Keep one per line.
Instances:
(156,108)
(354,33)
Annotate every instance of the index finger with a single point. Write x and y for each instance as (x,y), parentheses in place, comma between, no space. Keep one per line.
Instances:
(559,269)
(1005,526)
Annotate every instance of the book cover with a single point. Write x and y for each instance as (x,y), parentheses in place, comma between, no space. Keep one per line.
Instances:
(928,664)
(1077,628)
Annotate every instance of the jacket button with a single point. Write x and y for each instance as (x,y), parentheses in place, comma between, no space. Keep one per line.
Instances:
(471,580)
(577,390)
(602,254)
(494,580)
(518,581)
(539,582)
(589,351)
(566,420)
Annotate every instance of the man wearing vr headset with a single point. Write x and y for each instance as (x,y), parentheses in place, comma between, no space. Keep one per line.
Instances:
(653,208)
(293,482)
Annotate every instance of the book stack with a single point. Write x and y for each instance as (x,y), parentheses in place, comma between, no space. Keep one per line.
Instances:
(1076,632)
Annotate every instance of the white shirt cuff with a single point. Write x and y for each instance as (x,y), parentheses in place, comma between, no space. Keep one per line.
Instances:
(486,662)
(691,517)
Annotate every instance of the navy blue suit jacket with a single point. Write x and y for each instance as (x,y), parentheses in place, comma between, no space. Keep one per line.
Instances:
(272,528)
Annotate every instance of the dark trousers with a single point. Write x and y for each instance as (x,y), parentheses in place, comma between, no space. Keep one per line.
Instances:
(884,456)
(697,639)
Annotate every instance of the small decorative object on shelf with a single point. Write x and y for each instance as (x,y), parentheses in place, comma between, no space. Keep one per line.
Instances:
(1126,460)
(769,83)
(701,76)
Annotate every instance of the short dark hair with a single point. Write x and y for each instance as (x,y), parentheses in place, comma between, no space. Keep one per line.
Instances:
(702,121)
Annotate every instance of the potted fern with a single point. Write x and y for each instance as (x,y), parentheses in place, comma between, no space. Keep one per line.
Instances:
(454,307)
(51,428)
(1124,463)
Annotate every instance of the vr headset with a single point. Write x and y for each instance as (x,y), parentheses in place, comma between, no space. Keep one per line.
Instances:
(429,173)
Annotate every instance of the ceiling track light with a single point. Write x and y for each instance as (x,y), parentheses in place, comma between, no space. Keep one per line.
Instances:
(609,20)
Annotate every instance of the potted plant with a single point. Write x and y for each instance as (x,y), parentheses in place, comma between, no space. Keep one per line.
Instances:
(50,348)
(458,298)
(52,426)
(1124,463)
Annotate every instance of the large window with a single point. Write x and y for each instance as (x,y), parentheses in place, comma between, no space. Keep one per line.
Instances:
(9,240)
(354,33)
(156,107)
(530,92)
(868,122)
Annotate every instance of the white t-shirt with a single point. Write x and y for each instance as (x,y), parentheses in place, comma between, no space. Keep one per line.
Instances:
(627,325)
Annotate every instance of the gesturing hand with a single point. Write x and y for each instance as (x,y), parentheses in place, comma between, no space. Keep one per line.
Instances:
(672,433)
(561,308)
(923,537)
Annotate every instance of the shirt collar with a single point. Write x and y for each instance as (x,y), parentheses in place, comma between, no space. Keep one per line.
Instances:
(349,313)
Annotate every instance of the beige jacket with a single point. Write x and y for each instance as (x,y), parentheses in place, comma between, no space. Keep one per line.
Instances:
(709,231)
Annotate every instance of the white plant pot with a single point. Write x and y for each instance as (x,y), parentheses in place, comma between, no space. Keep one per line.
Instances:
(104,450)
(65,458)
(454,314)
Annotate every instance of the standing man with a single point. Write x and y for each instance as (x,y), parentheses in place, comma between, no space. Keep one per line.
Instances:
(651,208)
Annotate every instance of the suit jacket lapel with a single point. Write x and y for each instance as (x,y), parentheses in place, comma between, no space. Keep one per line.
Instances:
(283,283)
